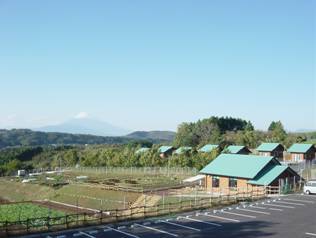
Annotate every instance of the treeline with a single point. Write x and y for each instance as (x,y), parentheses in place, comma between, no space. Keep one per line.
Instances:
(25,137)
(12,159)
(227,130)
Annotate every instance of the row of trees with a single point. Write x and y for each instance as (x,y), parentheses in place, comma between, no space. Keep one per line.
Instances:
(95,156)
(227,130)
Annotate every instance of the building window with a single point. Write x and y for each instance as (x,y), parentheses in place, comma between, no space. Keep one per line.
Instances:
(297,157)
(232,183)
(215,182)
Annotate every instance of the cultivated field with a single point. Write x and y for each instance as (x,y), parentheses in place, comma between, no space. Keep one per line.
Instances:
(24,211)
(100,189)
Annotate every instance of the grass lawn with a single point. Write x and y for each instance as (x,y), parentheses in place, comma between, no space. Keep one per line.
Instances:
(94,197)
(17,191)
(23,211)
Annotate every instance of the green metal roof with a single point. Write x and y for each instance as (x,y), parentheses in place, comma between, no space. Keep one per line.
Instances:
(234,149)
(268,147)
(235,165)
(268,175)
(300,148)
(164,149)
(182,150)
(208,148)
(142,150)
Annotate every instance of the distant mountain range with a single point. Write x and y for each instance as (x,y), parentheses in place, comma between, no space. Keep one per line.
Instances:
(83,130)
(86,126)
(26,137)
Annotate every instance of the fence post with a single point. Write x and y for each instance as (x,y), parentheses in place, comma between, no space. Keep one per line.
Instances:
(6,228)
(66,221)
(27,225)
(101,217)
(48,224)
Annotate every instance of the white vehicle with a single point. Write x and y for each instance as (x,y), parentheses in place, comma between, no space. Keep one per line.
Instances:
(310,187)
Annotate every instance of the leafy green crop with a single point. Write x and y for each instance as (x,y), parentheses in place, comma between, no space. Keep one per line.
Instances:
(23,211)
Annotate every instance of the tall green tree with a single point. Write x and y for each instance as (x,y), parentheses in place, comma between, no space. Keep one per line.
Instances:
(277,132)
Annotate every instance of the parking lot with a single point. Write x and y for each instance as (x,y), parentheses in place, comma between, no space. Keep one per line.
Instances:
(286,216)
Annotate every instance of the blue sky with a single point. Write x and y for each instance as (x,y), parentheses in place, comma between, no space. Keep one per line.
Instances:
(147,65)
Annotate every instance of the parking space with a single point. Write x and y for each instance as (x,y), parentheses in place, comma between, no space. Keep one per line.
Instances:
(287,216)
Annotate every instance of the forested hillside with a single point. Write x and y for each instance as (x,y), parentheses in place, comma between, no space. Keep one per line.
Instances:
(25,137)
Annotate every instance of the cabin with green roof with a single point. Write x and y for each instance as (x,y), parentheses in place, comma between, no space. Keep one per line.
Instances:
(183,150)
(238,149)
(165,151)
(234,171)
(302,152)
(271,149)
(208,148)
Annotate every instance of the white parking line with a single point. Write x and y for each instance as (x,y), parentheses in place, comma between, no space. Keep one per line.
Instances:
(275,209)
(262,208)
(259,212)
(275,205)
(308,196)
(175,224)
(310,234)
(298,200)
(218,217)
(291,203)
(122,232)
(238,214)
(158,230)
(62,236)
(86,234)
(200,221)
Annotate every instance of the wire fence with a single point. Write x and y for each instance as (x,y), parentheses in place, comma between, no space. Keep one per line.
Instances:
(306,169)
(139,170)
(46,224)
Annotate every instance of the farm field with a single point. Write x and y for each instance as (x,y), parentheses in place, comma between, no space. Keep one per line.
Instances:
(100,189)
(23,211)
(73,194)
(138,180)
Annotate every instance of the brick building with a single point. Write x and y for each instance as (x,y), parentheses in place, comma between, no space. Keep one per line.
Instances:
(271,149)
(236,171)
(302,152)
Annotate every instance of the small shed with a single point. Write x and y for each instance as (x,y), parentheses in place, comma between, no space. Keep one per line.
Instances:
(238,149)
(182,150)
(302,152)
(271,149)
(21,173)
(208,148)
(165,151)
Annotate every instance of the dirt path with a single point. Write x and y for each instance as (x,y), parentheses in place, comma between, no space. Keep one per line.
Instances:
(64,207)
